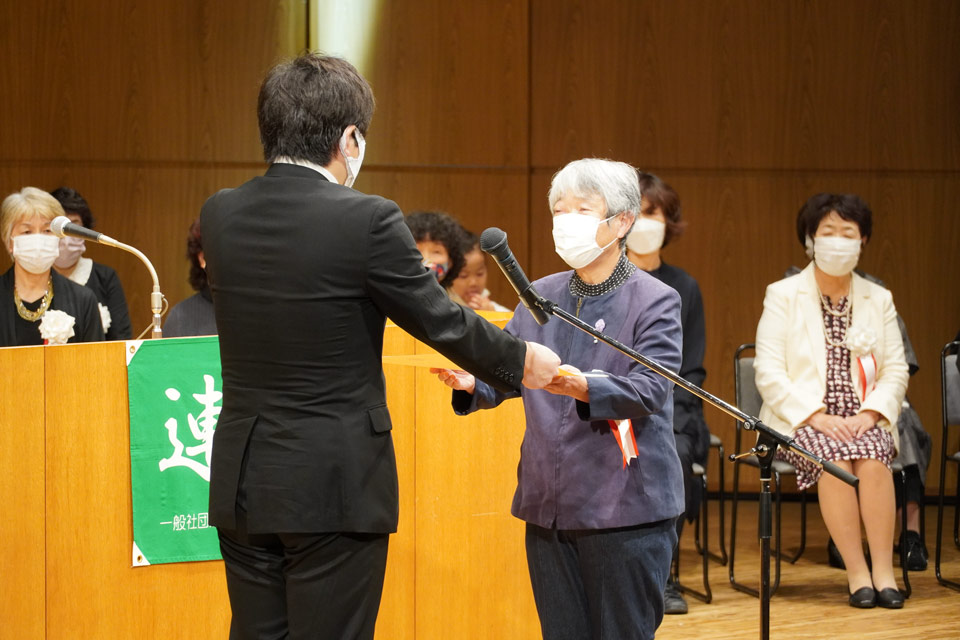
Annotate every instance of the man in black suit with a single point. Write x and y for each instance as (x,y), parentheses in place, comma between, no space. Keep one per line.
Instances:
(303,271)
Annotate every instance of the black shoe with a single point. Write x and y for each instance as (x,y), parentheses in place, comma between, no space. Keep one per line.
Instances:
(866,598)
(916,552)
(673,602)
(889,598)
(833,555)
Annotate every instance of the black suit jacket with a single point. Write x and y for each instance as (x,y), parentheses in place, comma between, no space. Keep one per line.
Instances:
(303,273)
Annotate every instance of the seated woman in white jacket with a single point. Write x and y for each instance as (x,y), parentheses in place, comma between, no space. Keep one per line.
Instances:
(831,371)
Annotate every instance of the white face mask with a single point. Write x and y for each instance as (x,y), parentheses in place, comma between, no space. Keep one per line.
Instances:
(36,252)
(836,256)
(575,238)
(647,235)
(353,164)
(70,251)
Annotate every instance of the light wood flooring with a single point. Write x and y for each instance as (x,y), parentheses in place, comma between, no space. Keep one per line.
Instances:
(812,599)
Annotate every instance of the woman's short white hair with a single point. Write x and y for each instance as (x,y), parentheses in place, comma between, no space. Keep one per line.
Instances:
(615,182)
(26,203)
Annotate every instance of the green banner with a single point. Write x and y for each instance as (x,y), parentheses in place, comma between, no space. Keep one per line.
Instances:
(175,402)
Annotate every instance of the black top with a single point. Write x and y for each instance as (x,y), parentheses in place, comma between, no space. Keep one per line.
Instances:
(304,273)
(192,317)
(106,286)
(688,408)
(68,297)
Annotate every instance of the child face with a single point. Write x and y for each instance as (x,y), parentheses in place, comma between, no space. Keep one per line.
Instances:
(472,280)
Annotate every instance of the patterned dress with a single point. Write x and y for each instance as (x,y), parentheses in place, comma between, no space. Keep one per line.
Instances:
(841,400)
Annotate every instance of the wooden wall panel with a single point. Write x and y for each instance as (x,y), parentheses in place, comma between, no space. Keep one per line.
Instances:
(479,199)
(739,84)
(22,463)
(146,80)
(451,84)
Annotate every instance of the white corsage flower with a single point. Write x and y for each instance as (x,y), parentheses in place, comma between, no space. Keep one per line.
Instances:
(105,318)
(56,327)
(860,341)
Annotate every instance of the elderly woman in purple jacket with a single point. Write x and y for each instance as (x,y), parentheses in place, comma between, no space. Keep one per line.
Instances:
(599,480)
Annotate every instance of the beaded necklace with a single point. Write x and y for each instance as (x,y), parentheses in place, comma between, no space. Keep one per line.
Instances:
(621,272)
(845,313)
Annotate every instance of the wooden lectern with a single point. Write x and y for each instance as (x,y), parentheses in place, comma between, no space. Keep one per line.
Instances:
(456,565)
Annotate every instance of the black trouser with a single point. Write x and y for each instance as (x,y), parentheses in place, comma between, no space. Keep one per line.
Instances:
(605,583)
(303,586)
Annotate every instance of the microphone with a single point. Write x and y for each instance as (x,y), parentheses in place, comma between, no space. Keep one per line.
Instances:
(494,242)
(62,227)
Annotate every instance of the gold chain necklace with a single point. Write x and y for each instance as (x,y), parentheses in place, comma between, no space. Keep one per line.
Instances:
(33,316)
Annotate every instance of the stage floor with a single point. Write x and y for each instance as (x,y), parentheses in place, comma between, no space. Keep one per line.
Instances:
(812,599)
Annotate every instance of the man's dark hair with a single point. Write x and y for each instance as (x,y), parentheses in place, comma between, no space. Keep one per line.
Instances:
(306,103)
(73,202)
(443,228)
(847,205)
(660,195)
(198,276)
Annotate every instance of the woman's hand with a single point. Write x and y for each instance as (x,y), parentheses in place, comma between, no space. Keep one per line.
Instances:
(456,379)
(833,426)
(862,422)
(574,386)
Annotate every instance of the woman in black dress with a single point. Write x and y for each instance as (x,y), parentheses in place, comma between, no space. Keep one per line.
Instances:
(38,305)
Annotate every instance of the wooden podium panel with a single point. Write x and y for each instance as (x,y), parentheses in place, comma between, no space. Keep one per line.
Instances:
(92,590)
(472,579)
(22,485)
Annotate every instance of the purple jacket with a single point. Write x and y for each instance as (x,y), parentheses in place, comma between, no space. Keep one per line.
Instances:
(571,471)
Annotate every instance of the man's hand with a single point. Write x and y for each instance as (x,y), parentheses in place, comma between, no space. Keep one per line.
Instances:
(574,386)
(456,379)
(539,366)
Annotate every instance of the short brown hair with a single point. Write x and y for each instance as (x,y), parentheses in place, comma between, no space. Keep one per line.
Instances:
(661,196)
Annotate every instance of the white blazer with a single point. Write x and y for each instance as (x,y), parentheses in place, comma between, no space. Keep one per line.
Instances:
(791,358)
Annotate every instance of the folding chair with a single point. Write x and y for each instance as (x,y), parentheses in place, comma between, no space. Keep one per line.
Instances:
(749,401)
(701,530)
(950,409)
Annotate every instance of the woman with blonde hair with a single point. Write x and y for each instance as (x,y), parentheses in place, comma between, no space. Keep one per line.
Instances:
(38,305)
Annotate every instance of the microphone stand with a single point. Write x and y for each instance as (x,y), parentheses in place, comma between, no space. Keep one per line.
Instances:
(768,440)
(156,298)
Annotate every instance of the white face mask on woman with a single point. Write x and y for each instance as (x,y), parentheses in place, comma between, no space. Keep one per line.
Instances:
(353,164)
(70,251)
(575,238)
(836,256)
(36,252)
(647,235)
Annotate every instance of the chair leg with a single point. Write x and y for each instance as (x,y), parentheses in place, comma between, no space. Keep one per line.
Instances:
(900,485)
(700,532)
(803,528)
(956,513)
(722,559)
(742,588)
(777,513)
(940,509)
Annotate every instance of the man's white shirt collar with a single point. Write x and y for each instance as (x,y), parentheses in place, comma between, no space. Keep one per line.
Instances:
(309,165)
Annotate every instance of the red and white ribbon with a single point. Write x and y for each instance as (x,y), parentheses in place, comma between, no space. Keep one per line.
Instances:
(623,432)
(868,374)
